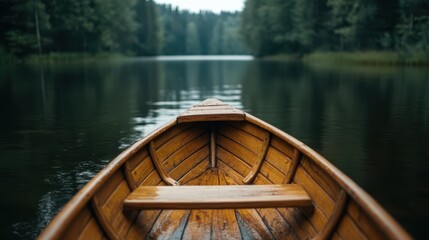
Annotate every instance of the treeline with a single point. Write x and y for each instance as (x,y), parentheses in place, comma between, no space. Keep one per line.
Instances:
(187,33)
(130,27)
(303,26)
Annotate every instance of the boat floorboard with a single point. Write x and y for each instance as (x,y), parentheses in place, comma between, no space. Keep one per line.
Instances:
(217,223)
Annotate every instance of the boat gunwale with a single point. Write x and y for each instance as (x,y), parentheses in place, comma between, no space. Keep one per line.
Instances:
(384,219)
(387,223)
(58,224)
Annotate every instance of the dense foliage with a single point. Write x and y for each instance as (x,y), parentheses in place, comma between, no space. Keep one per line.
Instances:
(200,33)
(132,27)
(302,26)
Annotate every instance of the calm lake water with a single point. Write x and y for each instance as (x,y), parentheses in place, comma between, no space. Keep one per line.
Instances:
(60,124)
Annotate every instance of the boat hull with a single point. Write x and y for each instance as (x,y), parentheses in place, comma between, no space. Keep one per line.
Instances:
(224,150)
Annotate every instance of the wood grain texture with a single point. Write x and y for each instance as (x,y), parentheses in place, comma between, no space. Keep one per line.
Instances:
(217,197)
(261,156)
(361,219)
(199,225)
(211,110)
(292,170)
(332,223)
(98,205)
(156,162)
(185,152)
(272,218)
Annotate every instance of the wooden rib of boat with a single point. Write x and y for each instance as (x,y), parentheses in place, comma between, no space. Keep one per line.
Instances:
(216,172)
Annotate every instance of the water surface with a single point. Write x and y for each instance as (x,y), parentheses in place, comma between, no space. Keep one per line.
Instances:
(60,124)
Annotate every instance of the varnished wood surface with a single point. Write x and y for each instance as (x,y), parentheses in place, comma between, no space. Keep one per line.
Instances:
(217,197)
(236,143)
(211,110)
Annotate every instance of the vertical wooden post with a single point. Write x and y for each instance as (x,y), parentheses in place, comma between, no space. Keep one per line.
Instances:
(294,165)
(213,146)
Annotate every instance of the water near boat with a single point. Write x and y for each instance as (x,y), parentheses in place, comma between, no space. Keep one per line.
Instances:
(63,123)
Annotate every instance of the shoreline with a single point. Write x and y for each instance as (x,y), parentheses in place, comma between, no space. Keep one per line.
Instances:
(367,58)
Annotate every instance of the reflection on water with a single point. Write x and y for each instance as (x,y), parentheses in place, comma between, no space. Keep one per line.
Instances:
(63,123)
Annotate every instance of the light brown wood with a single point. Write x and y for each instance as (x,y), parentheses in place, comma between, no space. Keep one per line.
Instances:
(217,197)
(295,161)
(183,151)
(213,146)
(239,151)
(272,218)
(211,110)
(261,156)
(332,223)
(186,152)
(164,176)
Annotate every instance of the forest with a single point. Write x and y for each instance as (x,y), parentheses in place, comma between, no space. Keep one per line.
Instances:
(263,28)
(304,26)
(128,27)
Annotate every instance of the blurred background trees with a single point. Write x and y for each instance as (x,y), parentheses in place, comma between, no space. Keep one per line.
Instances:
(264,27)
(302,26)
(130,27)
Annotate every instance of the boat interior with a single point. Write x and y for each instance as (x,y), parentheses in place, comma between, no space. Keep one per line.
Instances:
(251,181)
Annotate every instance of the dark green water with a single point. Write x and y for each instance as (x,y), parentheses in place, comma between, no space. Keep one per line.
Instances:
(61,124)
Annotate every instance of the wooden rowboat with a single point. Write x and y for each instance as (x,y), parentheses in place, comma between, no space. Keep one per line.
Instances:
(216,172)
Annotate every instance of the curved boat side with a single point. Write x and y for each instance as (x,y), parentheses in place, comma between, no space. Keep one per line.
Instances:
(383,219)
(235,149)
(60,222)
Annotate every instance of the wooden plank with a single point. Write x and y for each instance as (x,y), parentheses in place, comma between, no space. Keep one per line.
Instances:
(261,156)
(216,197)
(108,210)
(273,220)
(243,138)
(230,172)
(199,225)
(137,158)
(364,222)
(320,198)
(215,111)
(185,152)
(225,224)
(329,185)
(163,138)
(78,225)
(271,173)
(278,160)
(250,128)
(295,162)
(188,164)
(195,172)
(141,172)
(237,150)
(348,230)
(156,162)
(213,146)
(171,224)
(179,141)
(332,223)
(250,222)
(301,226)
(297,214)
(233,162)
(105,191)
(92,231)
(143,224)
(283,147)
(152,180)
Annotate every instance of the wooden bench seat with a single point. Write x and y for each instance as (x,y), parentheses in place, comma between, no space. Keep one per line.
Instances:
(217,197)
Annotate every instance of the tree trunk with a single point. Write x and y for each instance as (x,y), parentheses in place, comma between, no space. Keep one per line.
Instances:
(36,18)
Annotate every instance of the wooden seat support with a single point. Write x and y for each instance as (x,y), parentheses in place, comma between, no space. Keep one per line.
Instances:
(217,197)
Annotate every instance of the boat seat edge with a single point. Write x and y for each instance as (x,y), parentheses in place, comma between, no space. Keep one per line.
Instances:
(217,197)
